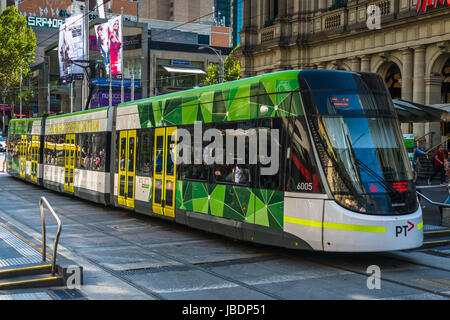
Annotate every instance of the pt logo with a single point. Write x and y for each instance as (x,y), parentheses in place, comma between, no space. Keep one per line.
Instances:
(403,230)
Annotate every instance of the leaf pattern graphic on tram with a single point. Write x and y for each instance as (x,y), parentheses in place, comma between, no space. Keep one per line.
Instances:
(255,206)
(227,103)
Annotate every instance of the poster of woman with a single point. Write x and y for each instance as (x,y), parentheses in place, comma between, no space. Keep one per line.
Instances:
(115,47)
(102,33)
(64,53)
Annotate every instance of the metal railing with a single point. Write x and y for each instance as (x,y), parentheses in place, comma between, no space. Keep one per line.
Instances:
(422,138)
(44,235)
(436,146)
(440,205)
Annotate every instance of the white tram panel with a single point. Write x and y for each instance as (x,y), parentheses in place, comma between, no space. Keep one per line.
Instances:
(128,118)
(383,233)
(143,189)
(303,215)
(86,179)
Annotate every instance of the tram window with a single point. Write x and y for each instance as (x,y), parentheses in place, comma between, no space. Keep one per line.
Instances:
(85,150)
(123,148)
(116,169)
(28,148)
(235,169)
(301,171)
(159,154)
(98,151)
(50,150)
(60,156)
(273,152)
(169,193)
(145,154)
(131,154)
(192,170)
(169,152)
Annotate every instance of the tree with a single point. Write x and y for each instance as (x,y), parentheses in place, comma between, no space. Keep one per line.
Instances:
(231,70)
(17,44)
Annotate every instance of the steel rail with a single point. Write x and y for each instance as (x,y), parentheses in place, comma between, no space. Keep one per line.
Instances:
(43,201)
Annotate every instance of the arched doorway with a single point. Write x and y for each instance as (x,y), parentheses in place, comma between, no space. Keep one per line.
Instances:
(445,89)
(393,80)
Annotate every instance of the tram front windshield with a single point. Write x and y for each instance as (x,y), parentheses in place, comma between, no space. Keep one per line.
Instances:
(363,153)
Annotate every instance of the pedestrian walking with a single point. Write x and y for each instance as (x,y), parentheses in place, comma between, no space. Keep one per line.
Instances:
(447,201)
(438,165)
(4,159)
(416,161)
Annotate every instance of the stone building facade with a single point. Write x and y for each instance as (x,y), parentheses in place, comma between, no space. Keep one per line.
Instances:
(410,49)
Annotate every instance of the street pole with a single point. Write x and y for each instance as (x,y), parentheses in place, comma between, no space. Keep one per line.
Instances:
(122,98)
(20,92)
(220,67)
(110,85)
(219,55)
(48,86)
(71,96)
(85,89)
(132,88)
(4,116)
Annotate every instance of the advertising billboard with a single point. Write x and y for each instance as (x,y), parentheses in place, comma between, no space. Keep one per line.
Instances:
(71,47)
(109,42)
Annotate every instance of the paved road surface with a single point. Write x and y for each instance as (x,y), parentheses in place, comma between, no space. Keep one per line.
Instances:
(130,256)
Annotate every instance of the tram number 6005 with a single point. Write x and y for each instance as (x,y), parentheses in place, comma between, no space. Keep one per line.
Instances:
(304,186)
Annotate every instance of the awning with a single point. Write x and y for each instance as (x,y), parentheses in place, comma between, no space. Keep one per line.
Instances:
(184,70)
(415,112)
(446,108)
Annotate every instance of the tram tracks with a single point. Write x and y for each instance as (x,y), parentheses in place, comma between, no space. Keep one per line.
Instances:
(270,253)
(149,252)
(314,257)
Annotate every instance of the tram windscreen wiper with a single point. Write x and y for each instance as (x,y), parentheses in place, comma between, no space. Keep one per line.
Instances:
(376,176)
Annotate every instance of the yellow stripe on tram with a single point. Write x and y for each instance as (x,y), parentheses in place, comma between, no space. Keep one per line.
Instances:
(420,225)
(335,226)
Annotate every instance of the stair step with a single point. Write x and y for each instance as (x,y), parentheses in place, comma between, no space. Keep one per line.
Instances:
(25,271)
(437,241)
(436,234)
(33,281)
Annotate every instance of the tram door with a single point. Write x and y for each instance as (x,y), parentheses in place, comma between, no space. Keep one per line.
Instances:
(69,162)
(23,156)
(34,157)
(127,170)
(164,172)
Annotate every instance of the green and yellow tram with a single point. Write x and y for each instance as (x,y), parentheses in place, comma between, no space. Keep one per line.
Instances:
(299,159)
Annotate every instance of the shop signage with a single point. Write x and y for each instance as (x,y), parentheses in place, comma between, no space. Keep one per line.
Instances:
(181,62)
(44,22)
(422,5)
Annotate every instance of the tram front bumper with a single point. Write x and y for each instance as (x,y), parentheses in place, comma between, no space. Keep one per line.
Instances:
(348,231)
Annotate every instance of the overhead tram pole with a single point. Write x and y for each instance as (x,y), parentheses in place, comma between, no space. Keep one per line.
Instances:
(219,54)
(85,90)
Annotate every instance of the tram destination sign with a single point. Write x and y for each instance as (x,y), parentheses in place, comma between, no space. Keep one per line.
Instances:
(74,127)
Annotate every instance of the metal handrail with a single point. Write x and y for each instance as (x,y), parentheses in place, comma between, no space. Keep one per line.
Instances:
(418,140)
(58,232)
(440,205)
(436,146)
(431,132)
